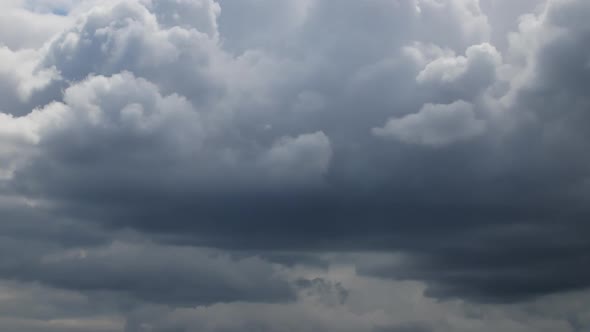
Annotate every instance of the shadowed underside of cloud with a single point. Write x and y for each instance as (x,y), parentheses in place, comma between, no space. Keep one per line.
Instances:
(218,146)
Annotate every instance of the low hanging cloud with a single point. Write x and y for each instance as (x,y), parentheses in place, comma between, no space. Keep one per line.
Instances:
(179,162)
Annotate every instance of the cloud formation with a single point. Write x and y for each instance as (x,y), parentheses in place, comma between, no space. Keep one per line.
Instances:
(174,163)
(435,125)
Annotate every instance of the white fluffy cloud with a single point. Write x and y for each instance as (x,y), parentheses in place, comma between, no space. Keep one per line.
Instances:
(28,27)
(462,76)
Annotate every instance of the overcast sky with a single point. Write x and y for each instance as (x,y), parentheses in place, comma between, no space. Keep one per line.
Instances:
(294,165)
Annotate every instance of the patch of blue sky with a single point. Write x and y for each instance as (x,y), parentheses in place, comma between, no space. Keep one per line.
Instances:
(45,7)
(60,11)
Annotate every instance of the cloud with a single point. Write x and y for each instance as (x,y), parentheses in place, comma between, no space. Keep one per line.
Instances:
(462,76)
(36,308)
(21,28)
(175,276)
(201,15)
(307,154)
(435,125)
(242,142)
(369,307)
(22,81)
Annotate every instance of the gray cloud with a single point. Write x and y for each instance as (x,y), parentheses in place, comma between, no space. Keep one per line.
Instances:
(180,276)
(435,125)
(281,131)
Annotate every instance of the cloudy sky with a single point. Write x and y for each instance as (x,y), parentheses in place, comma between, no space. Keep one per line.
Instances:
(294,165)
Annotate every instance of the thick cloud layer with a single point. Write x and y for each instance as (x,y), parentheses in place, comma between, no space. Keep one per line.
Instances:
(160,155)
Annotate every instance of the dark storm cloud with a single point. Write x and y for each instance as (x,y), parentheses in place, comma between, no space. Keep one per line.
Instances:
(77,256)
(352,126)
(170,275)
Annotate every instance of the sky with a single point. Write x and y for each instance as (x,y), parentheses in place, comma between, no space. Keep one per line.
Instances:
(294,166)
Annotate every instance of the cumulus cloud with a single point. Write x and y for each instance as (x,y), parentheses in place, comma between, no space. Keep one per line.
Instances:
(297,165)
(435,125)
(462,76)
(21,79)
(28,28)
(307,154)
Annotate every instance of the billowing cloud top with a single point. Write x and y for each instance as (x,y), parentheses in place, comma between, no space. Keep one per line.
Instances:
(263,165)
